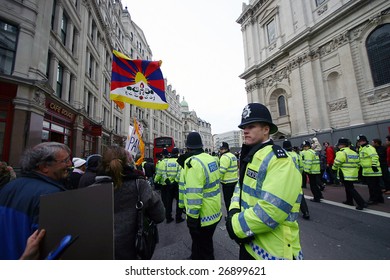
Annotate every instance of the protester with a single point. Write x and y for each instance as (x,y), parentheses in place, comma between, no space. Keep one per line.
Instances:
(200,195)
(44,170)
(7,174)
(265,205)
(78,170)
(121,169)
(92,164)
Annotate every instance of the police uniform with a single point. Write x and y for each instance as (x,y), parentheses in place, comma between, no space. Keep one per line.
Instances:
(228,168)
(265,205)
(200,195)
(311,166)
(346,165)
(298,163)
(371,170)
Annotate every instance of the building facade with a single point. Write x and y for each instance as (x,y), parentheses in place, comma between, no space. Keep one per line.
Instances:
(55,74)
(318,65)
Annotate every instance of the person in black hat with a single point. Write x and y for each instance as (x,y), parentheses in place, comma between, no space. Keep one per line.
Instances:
(228,168)
(269,190)
(200,195)
(371,170)
(298,161)
(346,166)
(311,166)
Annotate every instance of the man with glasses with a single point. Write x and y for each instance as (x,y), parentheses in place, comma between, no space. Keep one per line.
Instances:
(44,170)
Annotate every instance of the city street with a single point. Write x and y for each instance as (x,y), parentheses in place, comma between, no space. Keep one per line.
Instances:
(334,232)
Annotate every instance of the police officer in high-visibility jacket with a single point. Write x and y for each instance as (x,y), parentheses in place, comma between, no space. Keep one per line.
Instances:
(298,163)
(311,166)
(346,166)
(265,205)
(200,195)
(371,170)
(228,168)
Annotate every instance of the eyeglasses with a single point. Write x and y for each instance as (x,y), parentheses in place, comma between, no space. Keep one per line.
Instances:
(66,160)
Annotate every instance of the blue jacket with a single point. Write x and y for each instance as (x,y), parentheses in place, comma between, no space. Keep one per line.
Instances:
(19,211)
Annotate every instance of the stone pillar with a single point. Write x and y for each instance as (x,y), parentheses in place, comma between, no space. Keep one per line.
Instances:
(65,85)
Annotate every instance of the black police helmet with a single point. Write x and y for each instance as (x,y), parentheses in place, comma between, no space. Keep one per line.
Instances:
(256,112)
(361,137)
(194,141)
(175,151)
(165,152)
(224,145)
(306,143)
(287,144)
(343,141)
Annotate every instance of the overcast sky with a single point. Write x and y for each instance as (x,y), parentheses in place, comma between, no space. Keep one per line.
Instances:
(200,45)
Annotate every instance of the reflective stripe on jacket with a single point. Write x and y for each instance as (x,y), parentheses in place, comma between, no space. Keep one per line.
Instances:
(228,168)
(347,161)
(368,158)
(269,200)
(199,190)
(311,162)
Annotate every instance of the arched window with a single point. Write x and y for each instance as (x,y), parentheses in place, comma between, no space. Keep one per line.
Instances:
(282,105)
(378,51)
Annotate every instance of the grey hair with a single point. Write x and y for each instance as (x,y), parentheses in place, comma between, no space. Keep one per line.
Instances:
(42,153)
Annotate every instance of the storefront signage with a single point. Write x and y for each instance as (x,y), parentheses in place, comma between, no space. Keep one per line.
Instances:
(56,108)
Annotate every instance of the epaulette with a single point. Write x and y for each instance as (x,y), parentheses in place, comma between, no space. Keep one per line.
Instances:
(188,163)
(279,151)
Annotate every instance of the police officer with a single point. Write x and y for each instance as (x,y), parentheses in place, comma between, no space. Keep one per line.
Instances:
(298,163)
(311,166)
(371,170)
(346,164)
(200,195)
(265,205)
(171,178)
(229,173)
(161,180)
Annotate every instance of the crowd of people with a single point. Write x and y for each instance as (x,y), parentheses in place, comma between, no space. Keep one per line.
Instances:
(261,188)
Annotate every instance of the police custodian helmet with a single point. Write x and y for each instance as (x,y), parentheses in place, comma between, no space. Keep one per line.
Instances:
(194,141)
(256,112)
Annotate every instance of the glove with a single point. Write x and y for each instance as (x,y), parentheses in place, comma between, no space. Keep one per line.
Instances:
(374,168)
(192,222)
(229,228)
(167,181)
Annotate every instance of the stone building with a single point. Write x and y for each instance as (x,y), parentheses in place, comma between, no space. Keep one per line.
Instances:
(318,65)
(55,77)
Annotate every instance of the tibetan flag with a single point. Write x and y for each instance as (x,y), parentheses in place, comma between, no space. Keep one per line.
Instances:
(138,82)
(141,146)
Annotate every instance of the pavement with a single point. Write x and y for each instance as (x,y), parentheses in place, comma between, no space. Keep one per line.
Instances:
(335,194)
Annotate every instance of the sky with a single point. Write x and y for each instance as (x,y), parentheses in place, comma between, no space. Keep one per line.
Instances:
(201,48)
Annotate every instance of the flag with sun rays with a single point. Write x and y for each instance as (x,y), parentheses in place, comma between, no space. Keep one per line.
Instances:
(138,82)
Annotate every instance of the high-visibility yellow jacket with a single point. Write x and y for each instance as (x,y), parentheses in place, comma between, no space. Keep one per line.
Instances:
(297,160)
(172,170)
(160,167)
(228,168)
(199,191)
(347,161)
(311,162)
(269,200)
(368,158)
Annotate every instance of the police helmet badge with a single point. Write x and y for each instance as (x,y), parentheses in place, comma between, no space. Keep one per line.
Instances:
(246,112)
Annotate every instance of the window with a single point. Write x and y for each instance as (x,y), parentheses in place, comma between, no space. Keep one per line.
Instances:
(64,26)
(282,105)
(53,14)
(378,51)
(271,31)
(8,37)
(60,74)
(319,2)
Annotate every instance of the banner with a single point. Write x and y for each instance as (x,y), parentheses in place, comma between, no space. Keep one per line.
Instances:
(138,82)
(134,143)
